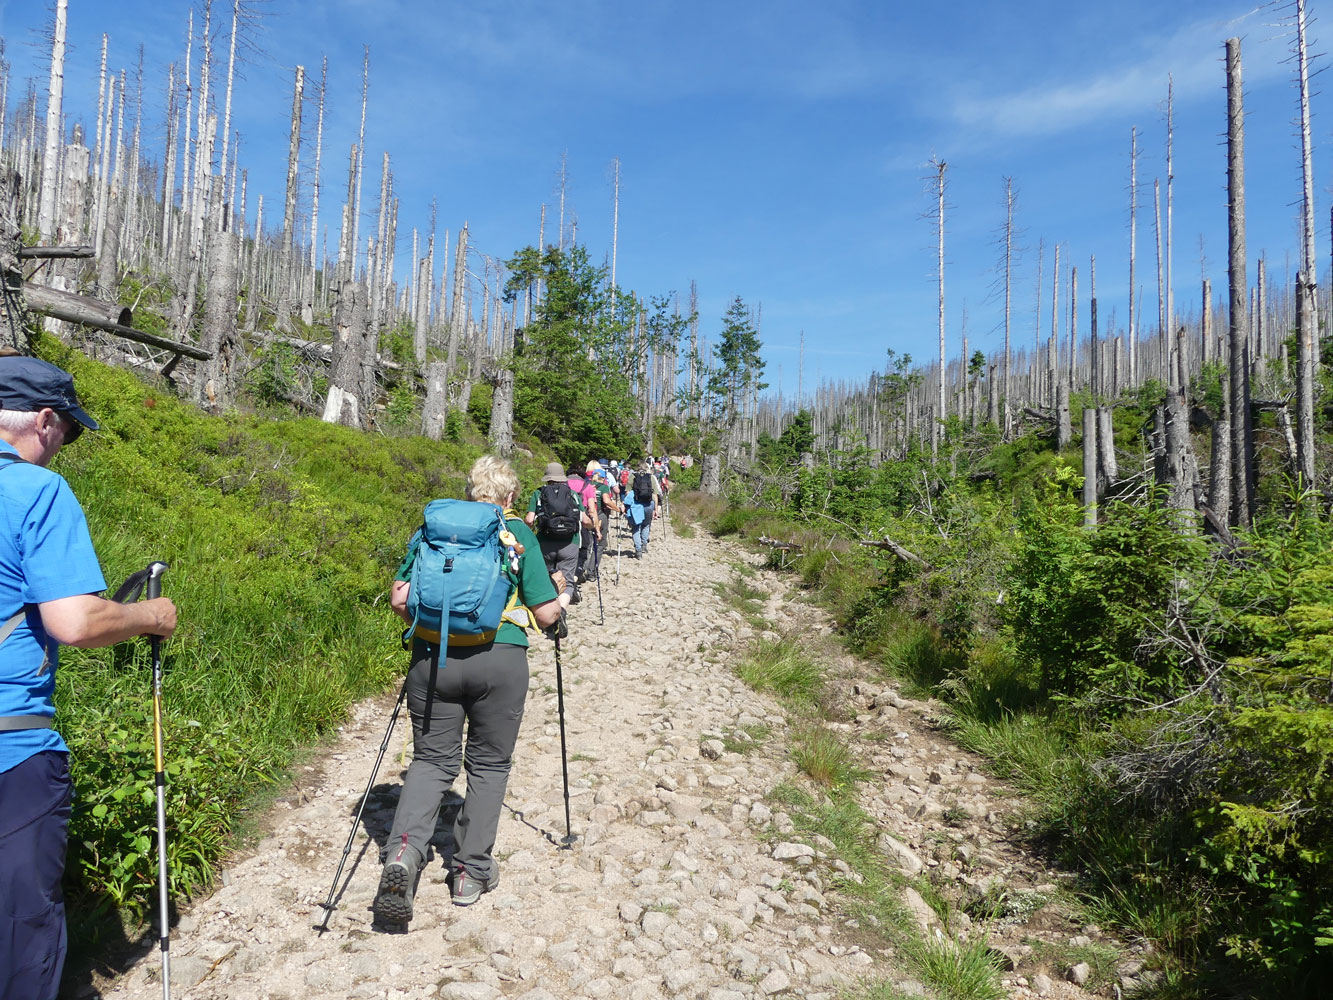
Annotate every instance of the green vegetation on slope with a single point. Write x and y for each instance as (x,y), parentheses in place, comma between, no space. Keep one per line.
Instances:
(1166,705)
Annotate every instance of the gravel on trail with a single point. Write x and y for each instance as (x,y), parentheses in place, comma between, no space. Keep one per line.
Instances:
(683,881)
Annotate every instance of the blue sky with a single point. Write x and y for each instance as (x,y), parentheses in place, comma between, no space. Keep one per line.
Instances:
(770,149)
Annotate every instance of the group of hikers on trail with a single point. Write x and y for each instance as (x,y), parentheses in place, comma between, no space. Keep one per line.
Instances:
(477,580)
(473,669)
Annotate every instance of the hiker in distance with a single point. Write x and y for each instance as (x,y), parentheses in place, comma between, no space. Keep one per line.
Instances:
(480,681)
(49,582)
(645,491)
(557,514)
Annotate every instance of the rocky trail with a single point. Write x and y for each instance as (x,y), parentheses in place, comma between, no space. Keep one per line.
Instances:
(686,878)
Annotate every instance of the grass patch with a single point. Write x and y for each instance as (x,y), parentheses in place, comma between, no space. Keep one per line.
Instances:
(747,739)
(825,758)
(780,666)
(1101,959)
(958,970)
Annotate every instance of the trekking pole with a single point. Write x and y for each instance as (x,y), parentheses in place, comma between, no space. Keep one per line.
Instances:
(568,842)
(351,836)
(597,564)
(154,589)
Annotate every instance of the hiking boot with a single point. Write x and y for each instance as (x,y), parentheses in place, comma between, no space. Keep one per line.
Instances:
(398,880)
(467,889)
(576,597)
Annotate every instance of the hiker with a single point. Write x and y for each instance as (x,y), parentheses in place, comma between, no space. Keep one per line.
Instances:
(582,485)
(49,582)
(646,491)
(483,685)
(557,515)
(606,505)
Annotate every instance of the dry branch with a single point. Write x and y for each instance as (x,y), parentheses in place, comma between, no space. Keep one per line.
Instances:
(902,553)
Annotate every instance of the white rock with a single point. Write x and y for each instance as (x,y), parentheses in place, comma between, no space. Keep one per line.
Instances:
(775,982)
(901,854)
(789,851)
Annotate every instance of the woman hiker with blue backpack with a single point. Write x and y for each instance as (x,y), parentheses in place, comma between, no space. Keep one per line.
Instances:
(473,578)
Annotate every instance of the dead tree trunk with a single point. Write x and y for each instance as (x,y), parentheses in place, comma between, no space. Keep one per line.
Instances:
(1063,422)
(1178,475)
(343,404)
(287,274)
(1089,467)
(710,479)
(436,408)
(1307,345)
(214,389)
(1242,451)
(46,218)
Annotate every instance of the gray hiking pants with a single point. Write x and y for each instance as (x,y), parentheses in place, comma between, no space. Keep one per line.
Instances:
(484,686)
(561,554)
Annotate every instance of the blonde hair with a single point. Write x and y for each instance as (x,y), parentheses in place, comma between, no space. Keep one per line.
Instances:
(491,480)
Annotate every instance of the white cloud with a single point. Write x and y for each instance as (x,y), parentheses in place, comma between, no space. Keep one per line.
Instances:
(1192,56)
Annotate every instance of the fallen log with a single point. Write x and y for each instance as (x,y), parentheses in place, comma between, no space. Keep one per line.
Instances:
(906,556)
(59,253)
(774,543)
(74,308)
(114,319)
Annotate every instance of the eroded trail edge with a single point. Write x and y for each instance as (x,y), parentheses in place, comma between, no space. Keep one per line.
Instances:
(685,879)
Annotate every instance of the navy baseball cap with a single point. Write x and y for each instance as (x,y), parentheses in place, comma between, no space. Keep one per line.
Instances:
(31,384)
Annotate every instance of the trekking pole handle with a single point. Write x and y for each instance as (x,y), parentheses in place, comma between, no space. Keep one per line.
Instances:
(155,571)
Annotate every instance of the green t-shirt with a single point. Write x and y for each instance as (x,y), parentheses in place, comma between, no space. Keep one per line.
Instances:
(532,509)
(534,584)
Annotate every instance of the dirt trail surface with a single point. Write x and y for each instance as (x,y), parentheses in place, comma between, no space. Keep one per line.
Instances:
(683,882)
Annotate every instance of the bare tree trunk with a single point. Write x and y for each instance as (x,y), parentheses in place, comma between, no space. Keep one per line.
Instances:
(1106,444)
(214,388)
(343,404)
(1242,453)
(615,216)
(319,155)
(286,293)
(1178,473)
(436,408)
(457,314)
(1206,324)
(937,430)
(360,164)
(710,479)
(502,397)
(1306,324)
(1089,467)
(46,219)
(1064,432)
(108,271)
(252,296)
(1131,332)
(1008,298)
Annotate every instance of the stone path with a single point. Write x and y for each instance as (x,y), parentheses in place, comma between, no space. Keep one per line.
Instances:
(681,882)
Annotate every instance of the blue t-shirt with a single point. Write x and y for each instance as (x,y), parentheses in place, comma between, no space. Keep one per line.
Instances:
(45,554)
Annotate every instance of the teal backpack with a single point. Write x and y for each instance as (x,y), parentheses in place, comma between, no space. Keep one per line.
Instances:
(459,585)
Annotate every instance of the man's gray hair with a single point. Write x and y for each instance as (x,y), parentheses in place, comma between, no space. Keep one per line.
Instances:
(18,421)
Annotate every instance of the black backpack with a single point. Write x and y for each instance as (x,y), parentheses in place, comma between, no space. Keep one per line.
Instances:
(557,511)
(643,488)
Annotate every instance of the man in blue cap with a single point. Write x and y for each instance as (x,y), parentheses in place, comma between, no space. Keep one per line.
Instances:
(49,582)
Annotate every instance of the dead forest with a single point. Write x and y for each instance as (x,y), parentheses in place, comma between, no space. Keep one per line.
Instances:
(147,257)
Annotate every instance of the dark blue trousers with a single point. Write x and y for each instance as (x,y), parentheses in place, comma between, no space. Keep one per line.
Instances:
(34,820)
